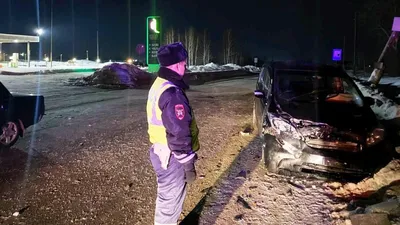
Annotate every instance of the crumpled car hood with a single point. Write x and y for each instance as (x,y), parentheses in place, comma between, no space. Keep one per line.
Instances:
(343,117)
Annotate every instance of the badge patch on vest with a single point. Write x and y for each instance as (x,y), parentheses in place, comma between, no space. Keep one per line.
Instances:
(179,111)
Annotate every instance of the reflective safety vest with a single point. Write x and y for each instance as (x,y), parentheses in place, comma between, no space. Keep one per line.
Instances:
(156,129)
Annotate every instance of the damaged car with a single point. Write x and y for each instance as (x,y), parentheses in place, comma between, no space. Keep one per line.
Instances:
(314,119)
(17,113)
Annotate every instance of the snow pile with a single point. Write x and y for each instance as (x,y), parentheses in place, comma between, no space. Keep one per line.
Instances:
(386,80)
(387,176)
(231,66)
(212,67)
(384,108)
(252,69)
(205,68)
(379,194)
(116,75)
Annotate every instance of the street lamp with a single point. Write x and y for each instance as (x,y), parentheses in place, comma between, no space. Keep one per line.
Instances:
(39,31)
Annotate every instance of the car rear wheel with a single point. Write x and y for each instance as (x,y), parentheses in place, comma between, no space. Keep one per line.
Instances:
(9,134)
(269,147)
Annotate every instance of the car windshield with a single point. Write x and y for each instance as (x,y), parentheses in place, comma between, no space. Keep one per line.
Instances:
(312,86)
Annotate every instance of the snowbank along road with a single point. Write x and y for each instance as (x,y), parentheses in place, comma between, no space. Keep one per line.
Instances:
(87,161)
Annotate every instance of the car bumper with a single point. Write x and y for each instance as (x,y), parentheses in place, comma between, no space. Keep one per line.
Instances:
(330,161)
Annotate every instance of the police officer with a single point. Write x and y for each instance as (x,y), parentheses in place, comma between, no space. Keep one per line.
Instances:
(173,132)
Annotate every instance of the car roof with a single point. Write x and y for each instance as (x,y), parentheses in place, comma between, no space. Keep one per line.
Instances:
(325,69)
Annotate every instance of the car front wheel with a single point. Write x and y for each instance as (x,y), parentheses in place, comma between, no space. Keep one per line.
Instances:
(257,124)
(9,134)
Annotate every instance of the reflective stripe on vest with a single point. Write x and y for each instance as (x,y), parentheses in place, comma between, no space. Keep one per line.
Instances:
(154,102)
(156,129)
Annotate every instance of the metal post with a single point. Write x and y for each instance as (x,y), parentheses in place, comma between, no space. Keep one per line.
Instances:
(97,46)
(129,29)
(28,51)
(51,36)
(97,29)
(344,52)
(60,57)
(355,41)
(87,55)
(392,35)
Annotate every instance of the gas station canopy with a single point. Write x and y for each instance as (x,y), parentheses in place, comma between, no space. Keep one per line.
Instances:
(14,38)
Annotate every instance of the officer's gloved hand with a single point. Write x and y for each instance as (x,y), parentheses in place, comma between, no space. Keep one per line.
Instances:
(190,170)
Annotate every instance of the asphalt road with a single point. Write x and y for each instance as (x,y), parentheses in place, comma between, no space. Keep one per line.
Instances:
(87,162)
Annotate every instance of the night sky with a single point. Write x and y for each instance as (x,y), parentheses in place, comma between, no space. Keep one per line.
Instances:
(301,29)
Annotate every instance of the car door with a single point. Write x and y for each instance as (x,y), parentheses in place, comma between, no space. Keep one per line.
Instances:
(263,90)
(267,87)
(5,98)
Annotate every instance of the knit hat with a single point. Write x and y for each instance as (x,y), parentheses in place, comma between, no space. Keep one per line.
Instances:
(171,54)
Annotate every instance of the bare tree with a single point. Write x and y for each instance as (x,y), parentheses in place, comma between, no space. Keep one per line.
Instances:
(228,46)
(169,36)
(179,37)
(196,49)
(190,44)
(206,48)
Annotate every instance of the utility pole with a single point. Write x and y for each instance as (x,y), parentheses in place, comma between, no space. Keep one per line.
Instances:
(97,59)
(51,36)
(87,55)
(97,32)
(129,29)
(60,57)
(73,28)
(355,43)
(344,52)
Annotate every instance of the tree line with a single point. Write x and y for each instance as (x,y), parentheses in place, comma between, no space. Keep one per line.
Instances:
(198,45)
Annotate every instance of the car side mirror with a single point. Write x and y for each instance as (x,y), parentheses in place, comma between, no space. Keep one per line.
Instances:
(369,101)
(259,94)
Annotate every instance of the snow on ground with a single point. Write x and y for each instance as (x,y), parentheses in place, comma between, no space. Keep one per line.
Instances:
(384,108)
(87,64)
(36,66)
(393,81)
(247,194)
(212,67)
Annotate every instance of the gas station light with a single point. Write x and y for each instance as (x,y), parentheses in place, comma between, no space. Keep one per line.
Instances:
(74,59)
(46,59)
(16,41)
(98,60)
(129,61)
(153,26)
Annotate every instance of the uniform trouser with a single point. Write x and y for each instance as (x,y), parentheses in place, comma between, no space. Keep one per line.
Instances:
(171,190)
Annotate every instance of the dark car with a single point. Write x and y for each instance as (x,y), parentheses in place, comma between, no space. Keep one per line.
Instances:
(313,118)
(18,112)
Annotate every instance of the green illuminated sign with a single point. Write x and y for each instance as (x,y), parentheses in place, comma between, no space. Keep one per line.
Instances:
(153,41)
